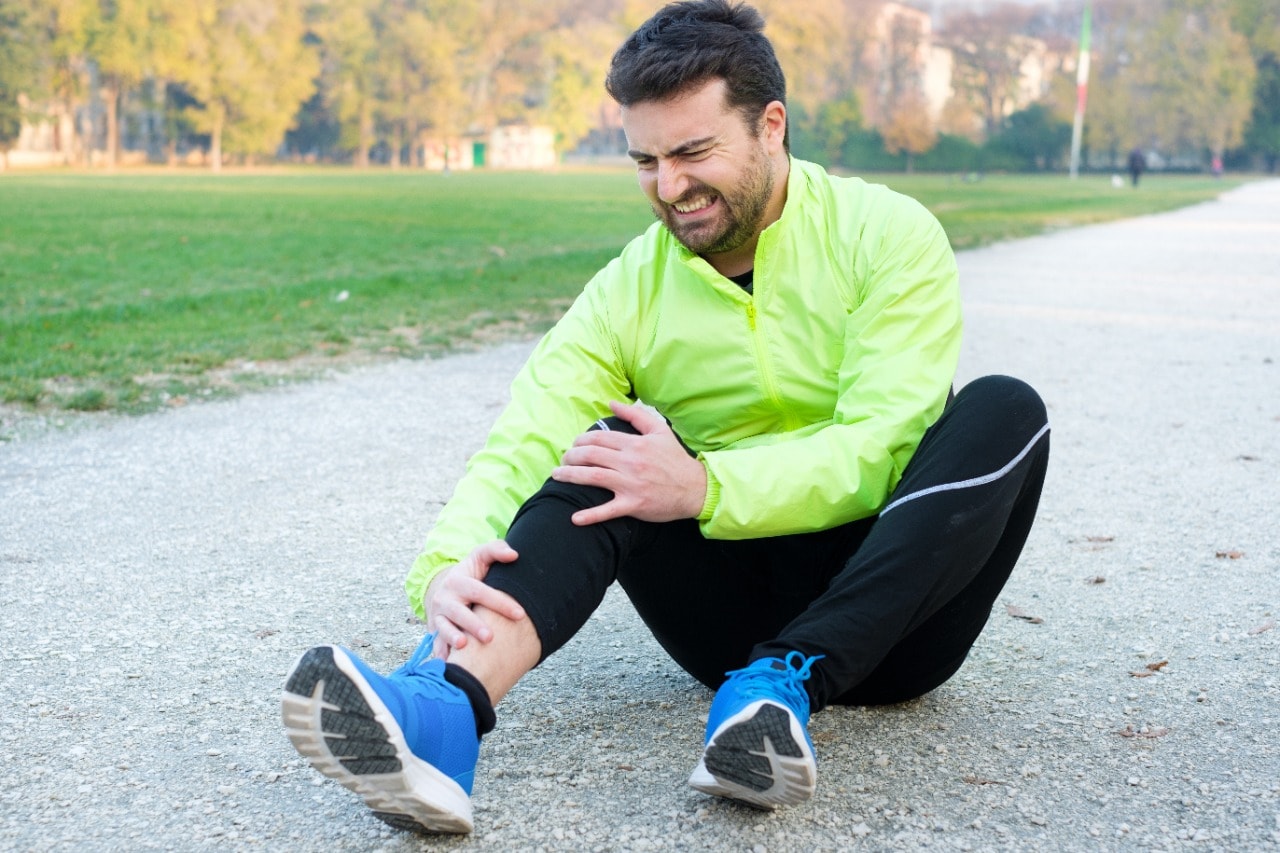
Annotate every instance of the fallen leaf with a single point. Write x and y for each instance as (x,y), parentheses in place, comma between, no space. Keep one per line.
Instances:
(1245,457)
(1229,555)
(263,633)
(1095,580)
(1150,669)
(360,643)
(1019,613)
(1099,538)
(1154,732)
(1263,628)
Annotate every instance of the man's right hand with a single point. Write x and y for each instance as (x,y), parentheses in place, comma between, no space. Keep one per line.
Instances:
(455,592)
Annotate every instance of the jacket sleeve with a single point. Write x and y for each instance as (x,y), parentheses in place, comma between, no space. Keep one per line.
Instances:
(562,389)
(900,350)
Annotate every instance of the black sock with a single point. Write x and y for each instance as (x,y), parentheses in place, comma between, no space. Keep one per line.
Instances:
(486,719)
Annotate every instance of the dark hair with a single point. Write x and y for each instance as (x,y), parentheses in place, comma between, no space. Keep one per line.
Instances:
(691,42)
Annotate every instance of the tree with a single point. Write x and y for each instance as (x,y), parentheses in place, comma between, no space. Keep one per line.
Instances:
(19,47)
(1259,21)
(577,60)
(118,42)
(1034,137)
(350,46)
(1263,133)
(909,128)
(248,65)
(1204,93)
(65,25)
(1172,74)
(499,61)
(413,52)
(989,52)
(838,120)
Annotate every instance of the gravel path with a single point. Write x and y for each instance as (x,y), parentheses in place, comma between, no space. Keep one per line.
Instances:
(158,576)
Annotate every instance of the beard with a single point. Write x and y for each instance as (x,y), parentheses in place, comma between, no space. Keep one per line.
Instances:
(742,210)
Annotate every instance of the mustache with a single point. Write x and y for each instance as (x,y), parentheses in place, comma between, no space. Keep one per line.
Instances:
(693,192)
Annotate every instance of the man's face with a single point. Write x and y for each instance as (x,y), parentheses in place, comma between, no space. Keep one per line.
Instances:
(708,175)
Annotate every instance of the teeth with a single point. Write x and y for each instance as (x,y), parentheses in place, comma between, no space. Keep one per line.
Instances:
(693,206)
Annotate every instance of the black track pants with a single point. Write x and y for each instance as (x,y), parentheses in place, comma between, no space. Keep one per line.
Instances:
(893,602)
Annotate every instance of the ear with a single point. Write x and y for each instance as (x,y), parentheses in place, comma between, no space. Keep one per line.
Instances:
(775,126)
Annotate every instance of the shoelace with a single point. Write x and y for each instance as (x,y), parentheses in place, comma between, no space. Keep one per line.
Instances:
(423,653)
(761,682)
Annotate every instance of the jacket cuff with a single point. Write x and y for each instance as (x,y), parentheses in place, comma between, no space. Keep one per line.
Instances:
(712,500)
(424,571)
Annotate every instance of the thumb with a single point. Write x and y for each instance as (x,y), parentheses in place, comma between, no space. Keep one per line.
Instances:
(645,419)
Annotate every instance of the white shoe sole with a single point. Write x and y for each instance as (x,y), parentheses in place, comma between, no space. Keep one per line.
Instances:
(759,756)
(335,719)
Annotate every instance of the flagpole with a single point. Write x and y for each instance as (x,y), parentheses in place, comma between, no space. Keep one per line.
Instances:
(1082,90)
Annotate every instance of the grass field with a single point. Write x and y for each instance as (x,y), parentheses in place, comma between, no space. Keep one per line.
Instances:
(136,290)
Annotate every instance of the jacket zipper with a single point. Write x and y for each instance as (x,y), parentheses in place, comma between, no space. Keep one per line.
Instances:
(767,378)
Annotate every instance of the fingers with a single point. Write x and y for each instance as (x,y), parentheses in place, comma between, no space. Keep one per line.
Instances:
(456,610)
(642,417)
(486,555)
(603,512)
(459,594)
(592,454)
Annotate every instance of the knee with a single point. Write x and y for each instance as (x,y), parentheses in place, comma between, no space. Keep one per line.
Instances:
(573,496)
(1007,398)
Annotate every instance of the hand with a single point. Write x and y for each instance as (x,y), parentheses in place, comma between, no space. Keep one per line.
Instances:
(651,475)
(454,593)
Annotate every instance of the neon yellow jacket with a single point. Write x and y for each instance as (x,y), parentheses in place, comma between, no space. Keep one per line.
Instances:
(804,401)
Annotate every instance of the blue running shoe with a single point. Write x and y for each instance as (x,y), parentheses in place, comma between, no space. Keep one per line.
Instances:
(406,742)
(758,750)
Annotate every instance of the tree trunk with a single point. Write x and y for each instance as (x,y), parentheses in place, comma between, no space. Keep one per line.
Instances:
(366,135)
(215,137)
(397,143)
(66,134)
(111,95)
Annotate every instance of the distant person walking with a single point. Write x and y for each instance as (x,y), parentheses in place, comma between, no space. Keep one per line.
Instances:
(1137,165)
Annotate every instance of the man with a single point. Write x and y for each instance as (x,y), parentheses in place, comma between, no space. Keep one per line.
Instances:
(790,510)
(1137,165)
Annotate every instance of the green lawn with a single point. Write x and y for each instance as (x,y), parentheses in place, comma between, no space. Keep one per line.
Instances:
(128,291)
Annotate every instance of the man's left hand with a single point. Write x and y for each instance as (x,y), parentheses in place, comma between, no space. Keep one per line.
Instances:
(651,475)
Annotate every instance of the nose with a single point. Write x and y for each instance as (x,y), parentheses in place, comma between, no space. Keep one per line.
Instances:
(672,181)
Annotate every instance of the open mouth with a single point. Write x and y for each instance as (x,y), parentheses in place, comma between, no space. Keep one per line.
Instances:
(694,206)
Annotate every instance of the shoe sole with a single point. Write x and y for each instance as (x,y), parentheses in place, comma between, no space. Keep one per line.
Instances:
(758,756)
(335,719)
